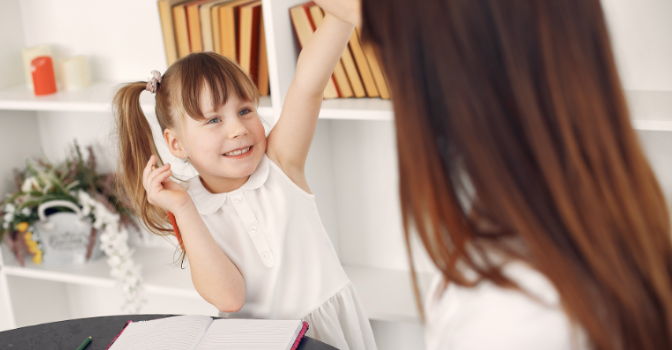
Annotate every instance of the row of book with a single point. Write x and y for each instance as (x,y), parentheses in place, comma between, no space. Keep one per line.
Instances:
(358,73)
(232,28)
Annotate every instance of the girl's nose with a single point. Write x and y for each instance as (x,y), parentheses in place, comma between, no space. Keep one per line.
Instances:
(237,129)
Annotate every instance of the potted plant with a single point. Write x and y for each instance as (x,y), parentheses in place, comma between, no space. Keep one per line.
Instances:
(68,213)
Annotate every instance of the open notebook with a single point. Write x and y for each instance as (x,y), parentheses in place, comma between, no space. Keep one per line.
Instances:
(203,333)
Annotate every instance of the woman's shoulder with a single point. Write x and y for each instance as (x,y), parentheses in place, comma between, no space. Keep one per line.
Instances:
(488,316)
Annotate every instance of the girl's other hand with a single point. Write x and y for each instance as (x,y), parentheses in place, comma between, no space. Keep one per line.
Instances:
(161,190)
(346,10)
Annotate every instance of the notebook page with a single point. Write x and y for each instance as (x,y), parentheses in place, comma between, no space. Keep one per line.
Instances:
(171,333)
(251,334)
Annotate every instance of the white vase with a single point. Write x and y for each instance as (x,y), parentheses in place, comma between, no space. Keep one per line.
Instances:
(65,236)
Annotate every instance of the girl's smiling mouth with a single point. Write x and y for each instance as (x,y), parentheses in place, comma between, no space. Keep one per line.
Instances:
(239,153)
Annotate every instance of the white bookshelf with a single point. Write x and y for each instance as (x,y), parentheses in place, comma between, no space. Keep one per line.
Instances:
(352,165)
(384,293)
(96,98)
(651,110)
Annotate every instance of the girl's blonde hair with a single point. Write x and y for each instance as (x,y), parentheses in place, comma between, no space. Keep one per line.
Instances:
(177,96)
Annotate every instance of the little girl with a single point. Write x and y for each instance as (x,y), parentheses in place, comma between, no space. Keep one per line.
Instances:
(249,224)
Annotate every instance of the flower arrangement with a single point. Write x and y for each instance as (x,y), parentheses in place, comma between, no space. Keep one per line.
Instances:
(74,180)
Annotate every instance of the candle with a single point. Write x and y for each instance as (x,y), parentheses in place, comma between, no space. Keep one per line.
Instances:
(44,79)
(29,53)
(74,73)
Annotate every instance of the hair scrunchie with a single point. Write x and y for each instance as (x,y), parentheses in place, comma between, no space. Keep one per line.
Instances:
(153,83)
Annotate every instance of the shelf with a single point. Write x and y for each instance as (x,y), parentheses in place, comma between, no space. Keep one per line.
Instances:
(159,273)
(654,125)
(650,110)
(357,109)
(95,98)
(385,294)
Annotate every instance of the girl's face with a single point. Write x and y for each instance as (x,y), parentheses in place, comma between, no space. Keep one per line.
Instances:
(227,146)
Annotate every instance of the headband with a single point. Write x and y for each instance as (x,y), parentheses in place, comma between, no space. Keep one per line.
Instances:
(153,83)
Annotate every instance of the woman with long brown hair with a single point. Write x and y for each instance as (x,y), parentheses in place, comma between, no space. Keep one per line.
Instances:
(523,177)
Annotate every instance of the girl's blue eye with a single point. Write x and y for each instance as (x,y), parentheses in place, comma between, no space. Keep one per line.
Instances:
(244,111)
(213,120)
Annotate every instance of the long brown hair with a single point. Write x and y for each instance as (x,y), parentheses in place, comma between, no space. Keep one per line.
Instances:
(517,106)
(176,97)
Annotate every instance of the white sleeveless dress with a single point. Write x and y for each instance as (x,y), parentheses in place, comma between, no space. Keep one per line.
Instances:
(271,229)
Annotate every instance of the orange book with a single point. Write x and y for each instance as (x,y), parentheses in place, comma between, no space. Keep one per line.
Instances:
(249,38)
(181,30)
(168,28)
(363,66)
(207,24)
(228,28)
(340,74)
(376,70)
(216,33)
(194,25)
(263,83)
(304,29)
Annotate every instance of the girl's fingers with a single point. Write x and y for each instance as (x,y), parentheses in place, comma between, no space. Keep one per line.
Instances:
(153,173)
(160,178)
(147,170)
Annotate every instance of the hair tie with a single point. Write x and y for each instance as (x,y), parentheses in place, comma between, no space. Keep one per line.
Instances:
(153,83)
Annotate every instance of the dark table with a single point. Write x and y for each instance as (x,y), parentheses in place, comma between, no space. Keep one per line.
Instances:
(68,335)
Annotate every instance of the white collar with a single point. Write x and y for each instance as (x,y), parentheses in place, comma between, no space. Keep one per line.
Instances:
(207,202)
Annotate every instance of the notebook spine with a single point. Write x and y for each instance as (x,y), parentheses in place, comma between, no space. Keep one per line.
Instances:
(303,331)
(117,336)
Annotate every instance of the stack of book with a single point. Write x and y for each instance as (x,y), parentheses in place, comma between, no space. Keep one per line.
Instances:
(358,73)
(232,28)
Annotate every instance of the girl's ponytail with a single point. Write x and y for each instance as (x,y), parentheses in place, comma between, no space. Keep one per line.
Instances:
(136,145)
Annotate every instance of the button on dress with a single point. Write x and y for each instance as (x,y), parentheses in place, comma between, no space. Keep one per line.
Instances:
(271,229)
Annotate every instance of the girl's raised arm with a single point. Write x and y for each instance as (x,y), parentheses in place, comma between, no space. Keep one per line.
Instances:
(290,139)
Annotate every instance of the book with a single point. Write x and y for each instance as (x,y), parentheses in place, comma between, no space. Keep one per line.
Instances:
(208,24)
(194,25)
(249,38)
(228,28)
(304,29)
(376,70)
(216,34)
(168,28)
(340,75)
(202,333)
(363,66)
(181,30)
(263,84)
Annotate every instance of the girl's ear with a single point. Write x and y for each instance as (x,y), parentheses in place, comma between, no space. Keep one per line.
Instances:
(174,144)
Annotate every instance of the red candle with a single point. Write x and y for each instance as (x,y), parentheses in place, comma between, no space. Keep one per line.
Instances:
(44,79)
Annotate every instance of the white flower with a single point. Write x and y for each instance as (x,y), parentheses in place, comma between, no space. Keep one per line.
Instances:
(9,217)
(84,197)
(25,211)
(114,260)
(114,242)
(28,184)
(9,208)
(5,225)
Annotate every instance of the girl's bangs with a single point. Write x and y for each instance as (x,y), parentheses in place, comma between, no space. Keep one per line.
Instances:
(220,75)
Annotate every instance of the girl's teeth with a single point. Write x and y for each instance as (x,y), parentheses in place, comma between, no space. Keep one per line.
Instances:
(235,153)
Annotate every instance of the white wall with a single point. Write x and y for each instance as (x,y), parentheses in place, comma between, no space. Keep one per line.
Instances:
(127,48)
(641,32)
(11,38)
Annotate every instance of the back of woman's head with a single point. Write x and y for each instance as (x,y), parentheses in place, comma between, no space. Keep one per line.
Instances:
(517,107)
(177,97)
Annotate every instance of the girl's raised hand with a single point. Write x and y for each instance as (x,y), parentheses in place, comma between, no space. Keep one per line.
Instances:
(346,10)
(161,190)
